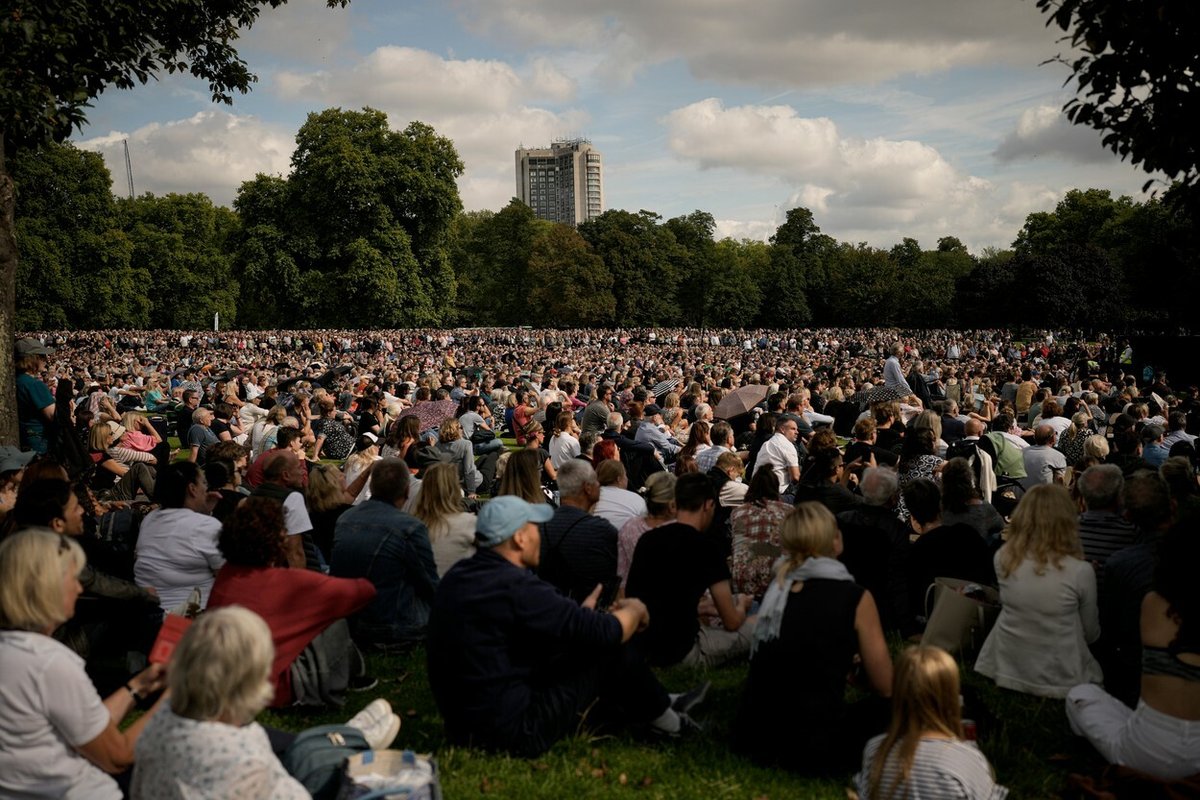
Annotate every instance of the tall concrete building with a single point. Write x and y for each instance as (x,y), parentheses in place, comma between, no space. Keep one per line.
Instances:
(563,182)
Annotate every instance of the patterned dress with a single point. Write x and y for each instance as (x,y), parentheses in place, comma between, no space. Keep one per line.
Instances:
(755,524)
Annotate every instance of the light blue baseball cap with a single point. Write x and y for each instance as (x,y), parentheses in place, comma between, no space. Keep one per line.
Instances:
(503,516)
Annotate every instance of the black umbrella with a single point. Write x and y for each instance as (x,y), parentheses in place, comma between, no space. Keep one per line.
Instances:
(880,394)
(286,385)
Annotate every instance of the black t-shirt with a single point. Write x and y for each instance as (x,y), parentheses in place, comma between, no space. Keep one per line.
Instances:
(220,426)
(949,551)
(672,566)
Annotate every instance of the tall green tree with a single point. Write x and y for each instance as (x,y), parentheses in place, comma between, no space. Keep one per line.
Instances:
(731,297)
(800,279)
(643,258)
(182,244)
(358,194)
(76,271)
(570,285)
(696,259)
(59,55)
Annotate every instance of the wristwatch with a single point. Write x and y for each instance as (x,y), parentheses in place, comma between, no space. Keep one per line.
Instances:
(137,696)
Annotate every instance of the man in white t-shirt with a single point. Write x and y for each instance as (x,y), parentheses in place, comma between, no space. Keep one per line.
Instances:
(780,454)
(617,504)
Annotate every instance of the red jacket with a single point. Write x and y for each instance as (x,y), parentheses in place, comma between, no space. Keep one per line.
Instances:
(297,604)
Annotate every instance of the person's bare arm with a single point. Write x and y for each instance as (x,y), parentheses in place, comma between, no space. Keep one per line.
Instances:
(731,609)
(356,486)
(293,548)
(112,750)
(872,647)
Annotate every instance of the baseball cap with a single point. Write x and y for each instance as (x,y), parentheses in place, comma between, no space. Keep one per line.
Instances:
(12,459)
(503,516)
(32,347)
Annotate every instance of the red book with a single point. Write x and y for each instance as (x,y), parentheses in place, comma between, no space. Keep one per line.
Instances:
(169,635)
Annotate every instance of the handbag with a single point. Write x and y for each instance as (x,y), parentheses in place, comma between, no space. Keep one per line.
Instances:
(317,758)
(961,614)
(482,435)
(393,774)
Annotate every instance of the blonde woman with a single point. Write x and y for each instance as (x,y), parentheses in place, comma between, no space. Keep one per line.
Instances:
(366,453)
(924,752)
(262,433)
(58,738)
(1048,597)
(564,444)
(207,744)
(462,455)
(522,476)
(814,620)
(111,479)
(440,506)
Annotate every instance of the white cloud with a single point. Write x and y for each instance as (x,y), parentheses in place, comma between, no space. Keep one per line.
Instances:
(211,152)
(479,104)
(401,77)
(758,230)
(323,31)
(795,42)
(1046,131)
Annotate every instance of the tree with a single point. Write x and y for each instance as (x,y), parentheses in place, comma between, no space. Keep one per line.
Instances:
(799,252)
(358,194)
(76,271)
(59,55)
(697,252)
(1137,77)
(643,258)
(570,286)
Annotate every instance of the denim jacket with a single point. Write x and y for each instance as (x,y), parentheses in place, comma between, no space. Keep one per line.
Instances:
(377,541)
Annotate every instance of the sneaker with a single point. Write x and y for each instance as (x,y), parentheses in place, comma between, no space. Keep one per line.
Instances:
(363,683)
(683,703)
(375,712)
(382,732)
(687,727)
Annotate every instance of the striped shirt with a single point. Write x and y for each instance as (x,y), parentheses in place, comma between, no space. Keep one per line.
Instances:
(1103,533)
(942,768)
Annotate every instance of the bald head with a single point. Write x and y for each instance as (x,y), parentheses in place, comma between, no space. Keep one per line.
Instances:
(973,427)
(1044,435)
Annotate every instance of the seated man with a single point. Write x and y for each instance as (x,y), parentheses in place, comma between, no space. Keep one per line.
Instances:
(672,567)
(378,541)
(652,431)
(514,665)
(579,550)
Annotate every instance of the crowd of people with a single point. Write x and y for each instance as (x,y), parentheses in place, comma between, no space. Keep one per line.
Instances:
(782,498)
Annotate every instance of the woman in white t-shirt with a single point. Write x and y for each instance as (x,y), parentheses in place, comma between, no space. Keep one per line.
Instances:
(440,506)
(564,445)
(58,739)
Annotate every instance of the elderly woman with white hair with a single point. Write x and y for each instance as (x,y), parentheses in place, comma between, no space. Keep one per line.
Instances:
(58,738)
(207,744)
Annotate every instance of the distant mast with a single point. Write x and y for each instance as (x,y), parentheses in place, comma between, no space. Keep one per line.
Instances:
(128,168)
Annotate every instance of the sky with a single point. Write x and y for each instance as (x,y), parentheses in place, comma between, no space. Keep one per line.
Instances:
(923,119)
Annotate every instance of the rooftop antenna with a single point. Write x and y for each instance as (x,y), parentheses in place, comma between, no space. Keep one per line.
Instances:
(128,168)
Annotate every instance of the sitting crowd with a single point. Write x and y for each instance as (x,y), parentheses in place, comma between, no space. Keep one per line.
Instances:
(308,524)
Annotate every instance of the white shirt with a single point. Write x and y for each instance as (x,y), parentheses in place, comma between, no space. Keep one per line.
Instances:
(295,514)
(563,447)
(618,505)
(49,707)
(780,452)
(187,759)
(176,552)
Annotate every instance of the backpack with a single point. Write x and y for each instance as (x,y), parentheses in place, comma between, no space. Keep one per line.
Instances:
(318,755)
(429,455)
(967,450)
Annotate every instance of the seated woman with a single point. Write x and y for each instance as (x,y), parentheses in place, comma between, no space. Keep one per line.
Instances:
(1161,737)
(659,494)
(440,506)
(206,744)
(827,480)
(755,526)
(334,440)
(962,502)
(256,576)
(458,449)
(58,738)
(924,752)
(1048,610)
(813,621)
(113,480)
(366,453)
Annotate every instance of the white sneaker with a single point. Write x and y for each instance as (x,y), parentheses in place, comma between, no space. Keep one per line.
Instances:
(376,712)
(381,735)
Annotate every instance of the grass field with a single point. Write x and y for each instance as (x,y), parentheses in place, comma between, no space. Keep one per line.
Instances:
(1025,738)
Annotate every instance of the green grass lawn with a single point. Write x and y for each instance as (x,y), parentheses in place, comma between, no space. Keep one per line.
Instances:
(1026,739)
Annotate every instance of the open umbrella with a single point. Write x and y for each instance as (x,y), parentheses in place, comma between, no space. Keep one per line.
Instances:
(662,387)
(431,413)
(880,394)
(740,401)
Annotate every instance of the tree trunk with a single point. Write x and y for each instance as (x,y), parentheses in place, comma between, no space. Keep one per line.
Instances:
(8,292)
